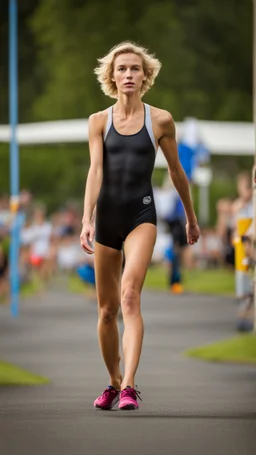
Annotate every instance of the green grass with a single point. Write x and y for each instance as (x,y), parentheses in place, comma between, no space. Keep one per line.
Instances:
(76,285)
(210,281)
(32,287)
(26,290)
(13,375)
(241,349)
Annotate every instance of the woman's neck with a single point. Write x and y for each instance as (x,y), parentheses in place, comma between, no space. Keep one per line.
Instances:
(128,105)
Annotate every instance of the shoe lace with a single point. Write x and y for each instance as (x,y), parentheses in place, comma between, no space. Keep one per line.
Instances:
(109,390)
(132,392)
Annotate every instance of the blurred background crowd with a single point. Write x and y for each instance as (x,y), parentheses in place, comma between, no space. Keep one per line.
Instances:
(50,244)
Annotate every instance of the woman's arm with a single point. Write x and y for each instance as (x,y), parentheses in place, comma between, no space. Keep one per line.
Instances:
(168,145)
(94,178)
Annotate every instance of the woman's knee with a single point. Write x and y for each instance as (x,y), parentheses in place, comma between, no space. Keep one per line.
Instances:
(108,312)
(130,300)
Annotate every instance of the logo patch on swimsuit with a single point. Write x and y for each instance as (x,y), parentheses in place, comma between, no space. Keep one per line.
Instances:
(146,200)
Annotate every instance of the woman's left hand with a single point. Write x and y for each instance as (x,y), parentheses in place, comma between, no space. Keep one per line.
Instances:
(193,232)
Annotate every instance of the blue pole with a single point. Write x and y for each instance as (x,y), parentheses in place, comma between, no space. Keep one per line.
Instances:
(14,157)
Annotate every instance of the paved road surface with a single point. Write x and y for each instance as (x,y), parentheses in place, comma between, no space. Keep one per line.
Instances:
(189,406)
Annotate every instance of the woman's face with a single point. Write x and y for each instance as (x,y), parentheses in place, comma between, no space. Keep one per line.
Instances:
(244,187)
(128,73)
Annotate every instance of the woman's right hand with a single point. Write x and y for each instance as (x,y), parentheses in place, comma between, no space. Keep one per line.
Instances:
(86,237)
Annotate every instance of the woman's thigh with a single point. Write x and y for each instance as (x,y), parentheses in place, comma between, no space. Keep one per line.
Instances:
(138,247)
(108,262)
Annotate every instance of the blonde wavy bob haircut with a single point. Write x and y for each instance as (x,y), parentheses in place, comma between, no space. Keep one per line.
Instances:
(104,71)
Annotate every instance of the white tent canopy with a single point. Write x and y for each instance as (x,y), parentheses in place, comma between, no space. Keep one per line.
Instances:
(220,138)
(59,131)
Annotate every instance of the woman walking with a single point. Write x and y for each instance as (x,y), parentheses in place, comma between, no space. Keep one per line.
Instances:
(123,141)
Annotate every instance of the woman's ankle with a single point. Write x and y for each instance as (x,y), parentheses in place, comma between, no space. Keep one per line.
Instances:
(116,382)
(127,383)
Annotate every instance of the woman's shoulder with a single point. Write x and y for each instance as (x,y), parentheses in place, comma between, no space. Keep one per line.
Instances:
(98,118)
(161,117)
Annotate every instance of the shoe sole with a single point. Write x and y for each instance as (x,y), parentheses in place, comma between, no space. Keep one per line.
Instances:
(114,402)
(129,407)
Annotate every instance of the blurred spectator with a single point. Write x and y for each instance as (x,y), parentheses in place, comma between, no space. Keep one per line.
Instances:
(242,207)
(86,272)
(224,230)
(228,213)
(37,234)
(5,215)
(49,245)
(4,281)
(69,252)
(26,200)
(170,210)
(208,252)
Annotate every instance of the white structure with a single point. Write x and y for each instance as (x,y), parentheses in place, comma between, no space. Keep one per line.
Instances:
(220,138)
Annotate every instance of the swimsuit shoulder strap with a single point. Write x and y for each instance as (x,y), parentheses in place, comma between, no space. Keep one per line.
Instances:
(148,124)
(109,122)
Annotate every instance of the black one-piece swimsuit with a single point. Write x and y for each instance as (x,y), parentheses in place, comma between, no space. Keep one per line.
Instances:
(126,197)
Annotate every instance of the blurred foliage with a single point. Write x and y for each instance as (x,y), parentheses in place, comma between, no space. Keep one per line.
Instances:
(206,55)
(206,52)
(198,44)
(55,174)
(29,80)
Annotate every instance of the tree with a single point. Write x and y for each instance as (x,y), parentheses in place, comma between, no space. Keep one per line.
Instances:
(29,86)
(203,73)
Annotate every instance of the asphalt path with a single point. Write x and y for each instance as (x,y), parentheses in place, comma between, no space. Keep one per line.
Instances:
(189,406)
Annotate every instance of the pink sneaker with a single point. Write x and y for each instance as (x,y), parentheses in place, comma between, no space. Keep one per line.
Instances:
(128,398)
(107,399)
